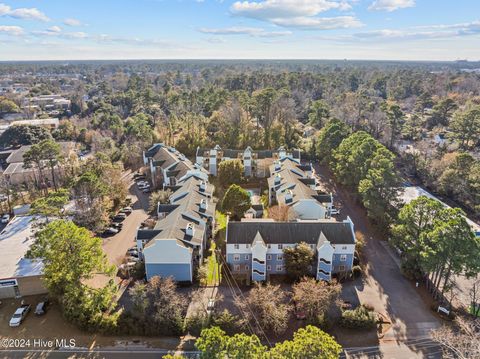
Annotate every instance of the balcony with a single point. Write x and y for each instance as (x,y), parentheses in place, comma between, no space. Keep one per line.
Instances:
(258,261)
(323,260)
(258,272)
(323,272)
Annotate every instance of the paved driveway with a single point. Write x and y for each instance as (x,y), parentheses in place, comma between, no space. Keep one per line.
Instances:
(383,287)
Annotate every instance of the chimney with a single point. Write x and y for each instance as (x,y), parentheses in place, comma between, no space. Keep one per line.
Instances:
(203,204)
(190,229)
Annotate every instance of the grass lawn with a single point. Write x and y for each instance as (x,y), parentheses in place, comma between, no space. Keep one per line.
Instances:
(214,268)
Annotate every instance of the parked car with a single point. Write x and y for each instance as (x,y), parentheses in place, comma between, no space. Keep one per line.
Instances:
(110,231)
(120,217)
(41,308)
(133,254)
(134,249)
(334,211)
(19,315)
(117,225)
(126,210)
(133,259)
(5,218)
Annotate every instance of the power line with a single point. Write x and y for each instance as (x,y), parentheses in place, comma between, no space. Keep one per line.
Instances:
(243,297)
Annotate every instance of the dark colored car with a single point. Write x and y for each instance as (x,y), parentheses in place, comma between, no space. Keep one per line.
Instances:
(41,308)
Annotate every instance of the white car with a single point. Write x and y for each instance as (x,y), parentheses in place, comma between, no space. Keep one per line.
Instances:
(19,315)
(334,211)
(5,218)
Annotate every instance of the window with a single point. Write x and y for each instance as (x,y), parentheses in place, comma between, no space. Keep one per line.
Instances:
(236,267)
(279,257)
(341,268)
(247,257)
(247,267)
(312,246)
(236,257)
(269,246)
(344,248)
(279,268)
(269,267)
(236,246)
(280,246)
(343,258)
(269,257)
(247,245)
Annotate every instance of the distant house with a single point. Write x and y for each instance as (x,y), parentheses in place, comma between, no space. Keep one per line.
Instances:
(294,185)
(255,211)
(254,248)
(167,166)
(50,123)
(19,276)
(409,193)
(176,245)
(16,172)
(256,162)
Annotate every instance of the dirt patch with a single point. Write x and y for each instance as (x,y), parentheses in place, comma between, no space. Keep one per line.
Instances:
(52,326)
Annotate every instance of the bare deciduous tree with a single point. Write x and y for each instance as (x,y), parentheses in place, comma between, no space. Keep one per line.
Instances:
(461,341)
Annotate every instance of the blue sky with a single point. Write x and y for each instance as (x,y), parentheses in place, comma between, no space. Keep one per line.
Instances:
(286,29)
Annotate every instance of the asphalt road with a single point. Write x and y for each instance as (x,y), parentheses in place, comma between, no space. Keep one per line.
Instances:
(385,288)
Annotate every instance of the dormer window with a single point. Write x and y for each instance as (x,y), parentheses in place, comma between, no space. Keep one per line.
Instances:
(289,197)
(203,204)
(203,186)
(278,166)
(190,229)
(278,178)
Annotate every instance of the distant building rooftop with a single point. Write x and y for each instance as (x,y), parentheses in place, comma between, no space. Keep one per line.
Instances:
(413,192)
(15,241)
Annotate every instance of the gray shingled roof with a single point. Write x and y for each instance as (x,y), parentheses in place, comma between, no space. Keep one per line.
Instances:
(290,232)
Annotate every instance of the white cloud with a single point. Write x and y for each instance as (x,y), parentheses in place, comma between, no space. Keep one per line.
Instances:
(72,22)
(56,29)
(297,13)
(11,30)
(76,35)
(320,23)
(23,13)
(442,31)
(391,5)
(239,30)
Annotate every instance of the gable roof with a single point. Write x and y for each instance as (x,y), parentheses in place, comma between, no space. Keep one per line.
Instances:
(290,232)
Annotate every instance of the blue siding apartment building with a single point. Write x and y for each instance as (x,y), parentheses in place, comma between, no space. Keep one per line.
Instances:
(255,247)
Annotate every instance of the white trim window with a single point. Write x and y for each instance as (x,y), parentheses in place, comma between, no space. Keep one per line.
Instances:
(280,246)
(344,248)
(236,246)
(341,268)
(312,246)
(247,267)
(279,257)
(269,267)
(269,257)
(247,257)
(269,246)
(343,258)
(236,257)
(247,245)
(279,268)
(236,267)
